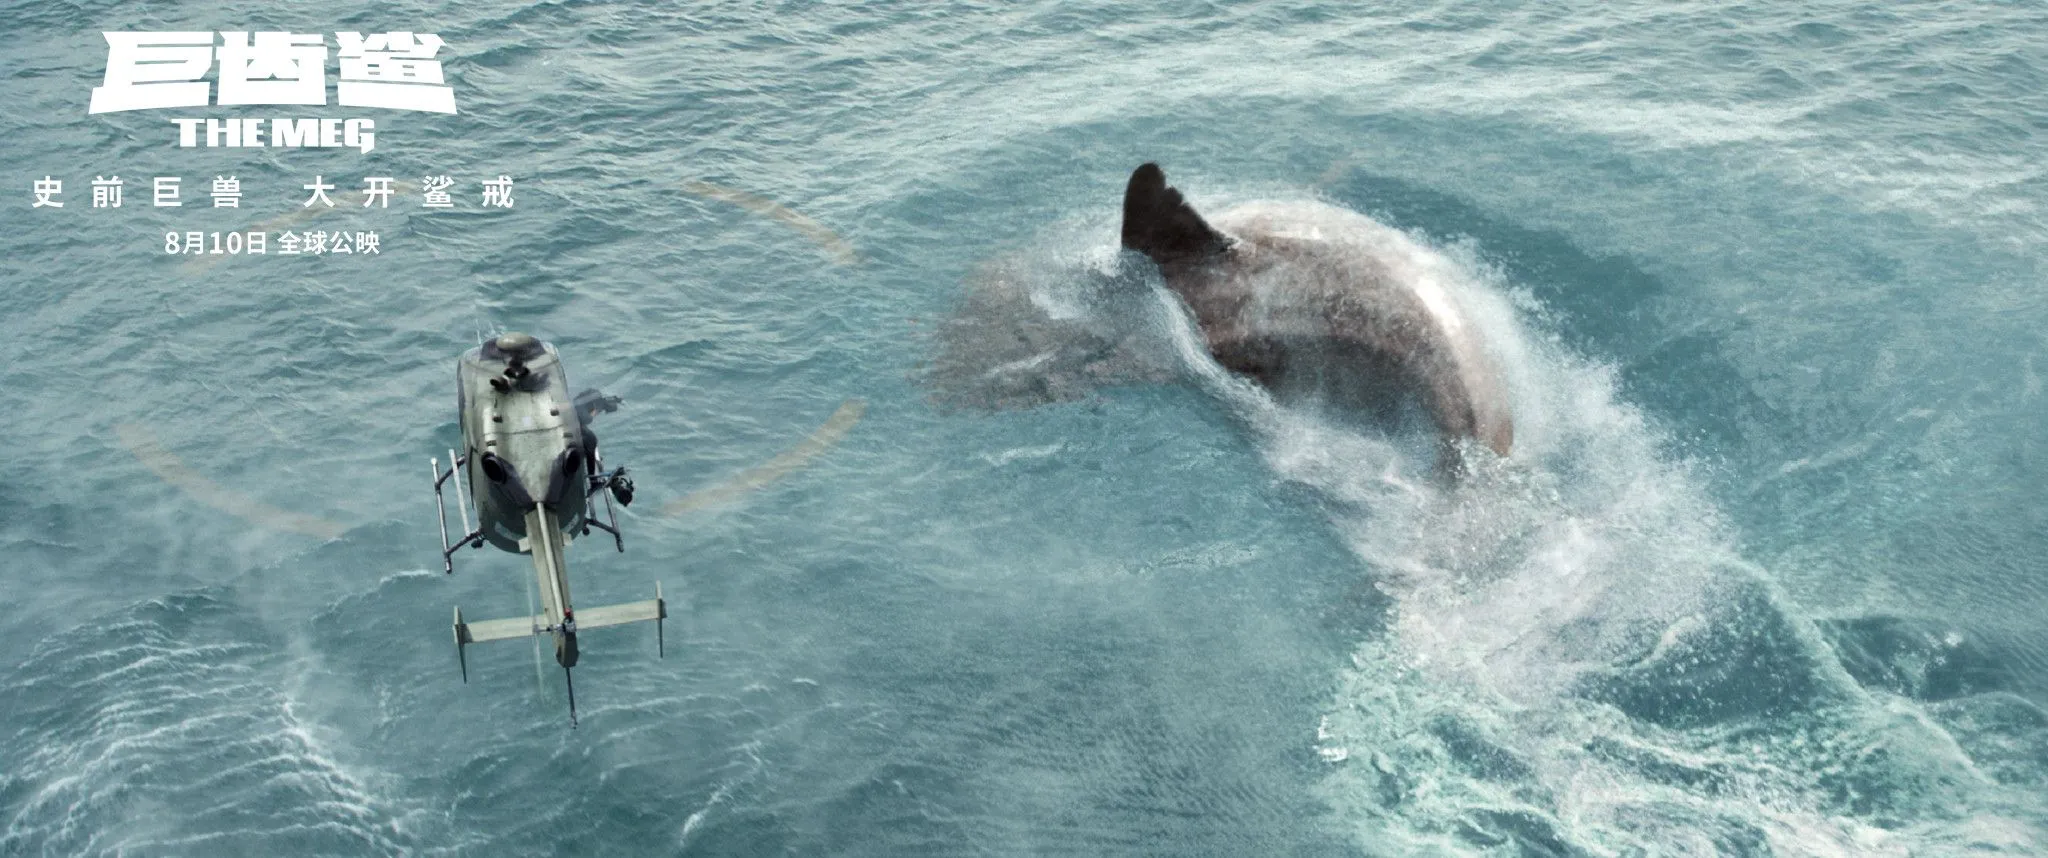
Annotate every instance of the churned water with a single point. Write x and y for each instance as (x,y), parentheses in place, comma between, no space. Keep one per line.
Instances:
(1763,577)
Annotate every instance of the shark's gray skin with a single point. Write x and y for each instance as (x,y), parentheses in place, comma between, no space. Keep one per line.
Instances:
(1294,298)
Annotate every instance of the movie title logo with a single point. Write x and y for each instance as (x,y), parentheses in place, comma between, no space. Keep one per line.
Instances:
(161,70)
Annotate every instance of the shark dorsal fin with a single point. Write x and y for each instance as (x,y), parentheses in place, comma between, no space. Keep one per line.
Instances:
(1159,223)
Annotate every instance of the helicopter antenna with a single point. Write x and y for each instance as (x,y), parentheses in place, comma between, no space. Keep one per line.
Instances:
(569,681)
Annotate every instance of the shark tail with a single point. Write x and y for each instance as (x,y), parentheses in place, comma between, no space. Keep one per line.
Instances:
(1159,223)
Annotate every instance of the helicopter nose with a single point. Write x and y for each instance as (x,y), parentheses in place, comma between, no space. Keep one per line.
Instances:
(518,345)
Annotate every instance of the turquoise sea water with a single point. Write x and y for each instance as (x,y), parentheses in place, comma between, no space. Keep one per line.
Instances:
(1764,579)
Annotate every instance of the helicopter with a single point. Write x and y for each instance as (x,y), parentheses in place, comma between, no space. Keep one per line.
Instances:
(530,467)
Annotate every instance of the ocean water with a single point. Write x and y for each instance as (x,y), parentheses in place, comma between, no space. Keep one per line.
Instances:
(1763,577)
